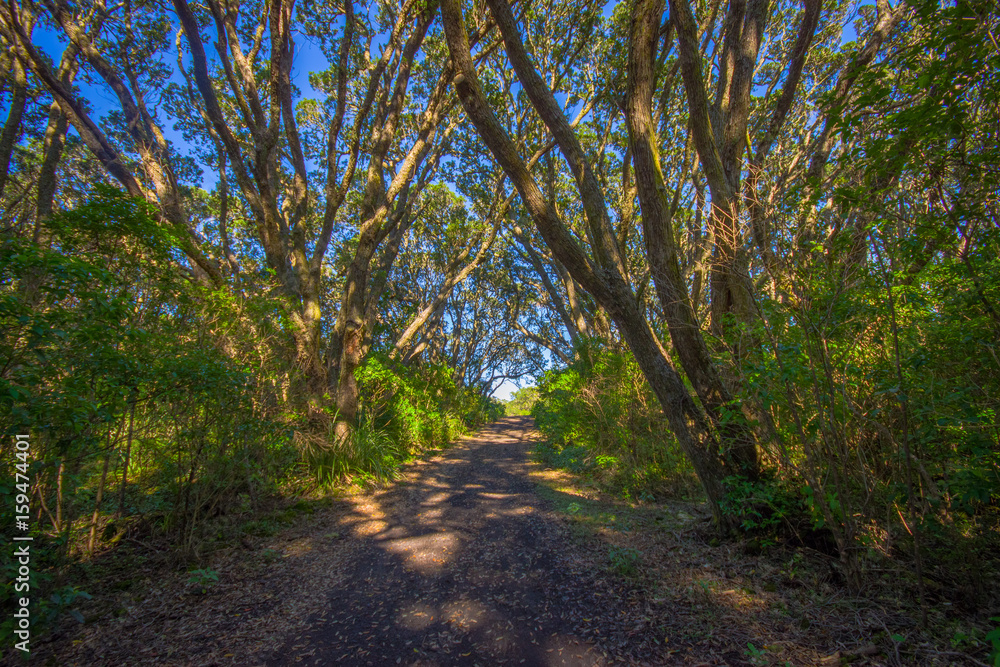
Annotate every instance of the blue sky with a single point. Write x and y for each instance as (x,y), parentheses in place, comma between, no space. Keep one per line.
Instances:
(308,58)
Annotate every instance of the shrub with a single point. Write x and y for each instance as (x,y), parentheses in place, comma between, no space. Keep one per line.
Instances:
(522,401)
(600,418)
(419,408)
(369,454)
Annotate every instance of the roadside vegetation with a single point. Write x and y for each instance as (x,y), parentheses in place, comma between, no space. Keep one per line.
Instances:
(161,411)
(748,254)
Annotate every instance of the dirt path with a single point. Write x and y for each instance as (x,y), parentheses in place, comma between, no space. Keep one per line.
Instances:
(459,566)
(478,556)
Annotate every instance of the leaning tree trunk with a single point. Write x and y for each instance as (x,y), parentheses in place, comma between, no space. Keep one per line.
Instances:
(603,275)
(12,127)
(662,251)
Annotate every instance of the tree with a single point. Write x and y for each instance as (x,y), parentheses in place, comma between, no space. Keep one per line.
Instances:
(372,125)
(601,274)
(719,443)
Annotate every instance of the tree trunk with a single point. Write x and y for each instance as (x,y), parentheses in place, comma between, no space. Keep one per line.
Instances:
(351,336)
(349,330)
(12,127)
(97,504)
(719,132)
(126,460)
(55,139)
(661,249)
(685,419)
(602,276)
(306,331)
(54,142)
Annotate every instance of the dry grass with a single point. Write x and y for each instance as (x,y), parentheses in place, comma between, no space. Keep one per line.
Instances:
(724,603)
(623,583)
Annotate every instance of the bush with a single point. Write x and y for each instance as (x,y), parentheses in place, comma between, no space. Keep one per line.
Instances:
(142,414)
(600,418)
(522,402)
(419,408)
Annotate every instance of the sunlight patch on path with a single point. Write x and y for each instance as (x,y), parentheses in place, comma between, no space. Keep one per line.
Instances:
(427,554)
(460,568)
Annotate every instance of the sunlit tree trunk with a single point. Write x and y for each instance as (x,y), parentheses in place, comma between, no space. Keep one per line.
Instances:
(603,275)
(19,98)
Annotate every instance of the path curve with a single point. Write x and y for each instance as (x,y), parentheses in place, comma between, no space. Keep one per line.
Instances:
(460,565)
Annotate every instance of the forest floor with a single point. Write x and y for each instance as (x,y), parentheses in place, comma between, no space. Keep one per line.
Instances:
(479,555)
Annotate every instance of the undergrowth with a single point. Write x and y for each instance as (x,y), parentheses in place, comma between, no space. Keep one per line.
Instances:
(601,420)
(167,413)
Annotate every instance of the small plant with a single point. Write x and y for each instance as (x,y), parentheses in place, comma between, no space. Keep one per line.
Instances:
(203,579)
(993,639)
(758,656)
(61,601)
(624,560)
(792,568)
(573,508)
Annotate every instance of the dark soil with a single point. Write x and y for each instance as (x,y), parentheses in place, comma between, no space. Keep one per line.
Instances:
(460,567)
(482,556)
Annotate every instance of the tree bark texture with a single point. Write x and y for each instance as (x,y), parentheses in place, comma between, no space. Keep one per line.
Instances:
(603,278)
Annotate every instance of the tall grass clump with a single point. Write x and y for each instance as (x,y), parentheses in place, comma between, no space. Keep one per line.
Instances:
(368,454)
(403,412)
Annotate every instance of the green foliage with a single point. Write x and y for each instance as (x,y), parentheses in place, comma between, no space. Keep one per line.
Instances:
(419,408)
(203,579)
(522,401)
(368,454)
(624,561)
(993,642)
(402,412)
(109,356)
(756,655)
(761,507)
(47,611)
(601,419)
(865,356)
(61,601)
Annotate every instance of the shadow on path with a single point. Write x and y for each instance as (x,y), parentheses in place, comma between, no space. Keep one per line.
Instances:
(459,567)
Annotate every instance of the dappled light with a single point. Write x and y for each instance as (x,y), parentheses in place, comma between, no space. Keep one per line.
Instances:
(463,576)
(541,332)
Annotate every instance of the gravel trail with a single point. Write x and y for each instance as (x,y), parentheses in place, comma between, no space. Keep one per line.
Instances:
(461,566)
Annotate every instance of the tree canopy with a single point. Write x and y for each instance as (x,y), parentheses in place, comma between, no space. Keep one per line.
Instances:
(754,244)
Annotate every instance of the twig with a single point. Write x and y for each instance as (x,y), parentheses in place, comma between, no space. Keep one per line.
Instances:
(904,521)
(960,655)
(895,644)
(141,544)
